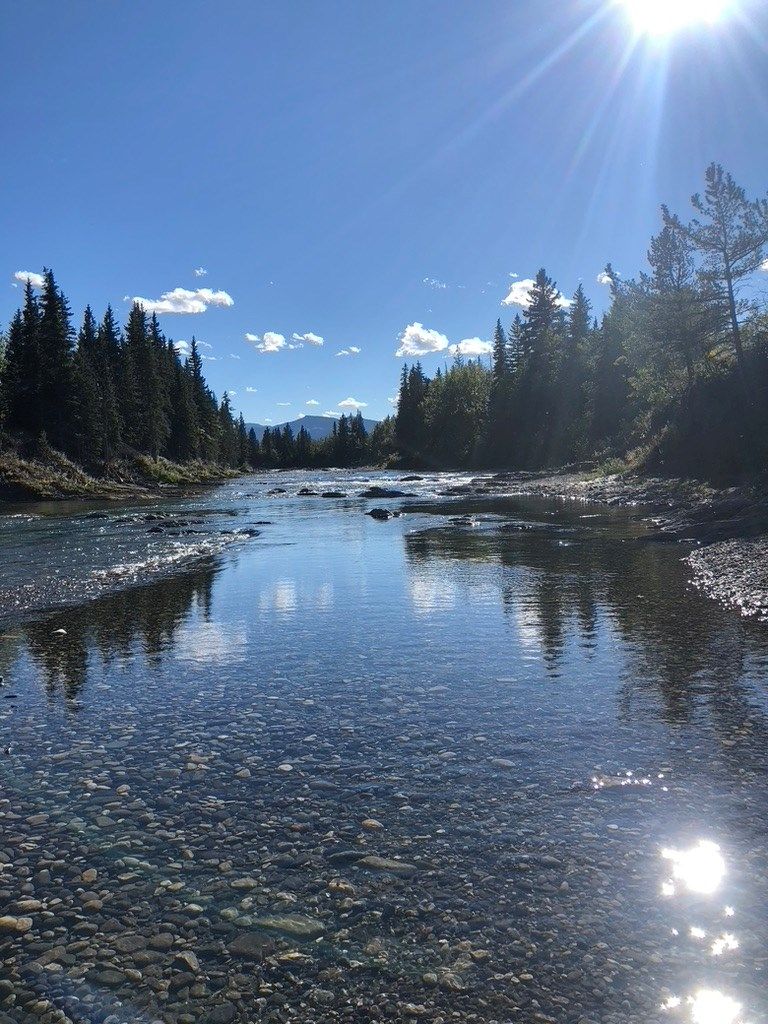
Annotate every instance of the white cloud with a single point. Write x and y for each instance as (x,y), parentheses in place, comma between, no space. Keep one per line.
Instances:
(24,276)
(231,394)
(182,300)
(313,401)
(270,341)
(764,266)
(603,278)
(352,350)
(203,344)
(283,405)
(393,400)
(209,359)
(251,391)
(233,356)
(352,403)
(418,340)
(432,282)
(182,347)
(520,295)
(513,275)
(309,338)
(471,347)
(200,272)
(331,413)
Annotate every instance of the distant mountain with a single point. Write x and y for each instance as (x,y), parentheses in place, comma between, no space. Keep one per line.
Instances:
(318,427)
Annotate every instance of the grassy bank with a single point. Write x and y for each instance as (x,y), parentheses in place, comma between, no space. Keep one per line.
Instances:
(47,475)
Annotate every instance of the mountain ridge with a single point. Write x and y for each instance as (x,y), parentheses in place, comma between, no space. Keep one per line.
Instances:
(318,427)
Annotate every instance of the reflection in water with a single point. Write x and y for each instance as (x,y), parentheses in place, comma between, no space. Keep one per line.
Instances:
(709,1006)
(432,593)
(288,596)
(113,627)
(561,707)
(700,868)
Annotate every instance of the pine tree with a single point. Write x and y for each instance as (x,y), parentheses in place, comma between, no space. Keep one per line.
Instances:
(544,316)
(86,428)
(682,315)
(731,236)
(108,368)
(501,365)
(55,361)
(22,358)
(254,452)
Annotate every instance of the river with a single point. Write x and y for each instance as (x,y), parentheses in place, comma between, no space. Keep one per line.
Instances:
(267,758)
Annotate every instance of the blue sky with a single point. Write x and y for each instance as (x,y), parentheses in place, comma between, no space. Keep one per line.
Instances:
(348,169)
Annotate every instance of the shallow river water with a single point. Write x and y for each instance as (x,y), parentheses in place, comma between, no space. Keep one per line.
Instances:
(263,757)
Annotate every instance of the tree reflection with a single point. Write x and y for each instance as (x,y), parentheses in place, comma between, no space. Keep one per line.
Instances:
(567,579)
(143,619)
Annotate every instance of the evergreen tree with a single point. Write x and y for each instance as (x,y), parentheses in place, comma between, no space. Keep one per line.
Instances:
(543,317)
(731,234)
(87,435)
(55,362)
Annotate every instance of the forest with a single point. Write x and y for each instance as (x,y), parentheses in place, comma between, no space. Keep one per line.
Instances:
(672,378)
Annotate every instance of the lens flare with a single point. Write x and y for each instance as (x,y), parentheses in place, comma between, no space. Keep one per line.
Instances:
(662,17)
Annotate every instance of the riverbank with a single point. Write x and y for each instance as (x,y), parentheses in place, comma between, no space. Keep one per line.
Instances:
(729,526)
(52,476)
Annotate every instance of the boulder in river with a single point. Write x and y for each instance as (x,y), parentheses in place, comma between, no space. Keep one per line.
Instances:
(382,514)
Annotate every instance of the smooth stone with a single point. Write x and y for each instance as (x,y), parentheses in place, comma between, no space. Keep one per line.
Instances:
(399,867)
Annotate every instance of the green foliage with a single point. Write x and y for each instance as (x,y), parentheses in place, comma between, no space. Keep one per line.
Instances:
(107,394)
(676,373)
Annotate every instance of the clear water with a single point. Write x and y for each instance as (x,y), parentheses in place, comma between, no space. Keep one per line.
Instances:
(562,742)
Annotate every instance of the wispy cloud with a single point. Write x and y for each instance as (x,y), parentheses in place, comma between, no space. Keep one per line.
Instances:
(352,350)
(182,300)
(471,347)
(313,401)
(24,276)
(203,344)
(233,356)
(231,393)
(308,339)
(432,282)
(283,405)
(520,295)
(200,272)
(603,278)
(418,340)
(270,341)
(251,391)
(352,403)
(333,415)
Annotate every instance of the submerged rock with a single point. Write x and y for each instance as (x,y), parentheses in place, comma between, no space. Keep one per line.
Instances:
(397,867)
(291,924)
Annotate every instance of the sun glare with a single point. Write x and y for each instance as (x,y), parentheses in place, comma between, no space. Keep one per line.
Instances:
(662,17)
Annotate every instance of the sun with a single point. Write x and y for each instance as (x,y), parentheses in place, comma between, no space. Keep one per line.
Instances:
(662,17)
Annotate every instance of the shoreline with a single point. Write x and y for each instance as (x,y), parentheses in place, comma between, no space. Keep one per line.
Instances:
(54,477)
(729,526)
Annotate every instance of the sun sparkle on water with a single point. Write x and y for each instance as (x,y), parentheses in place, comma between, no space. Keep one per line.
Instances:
(662,17)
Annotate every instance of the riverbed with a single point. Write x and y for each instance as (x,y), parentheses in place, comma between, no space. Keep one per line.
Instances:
(265,757)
